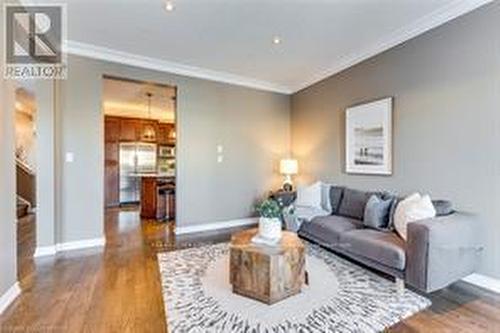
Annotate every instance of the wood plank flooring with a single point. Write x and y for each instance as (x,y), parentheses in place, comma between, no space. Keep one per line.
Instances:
(117,289)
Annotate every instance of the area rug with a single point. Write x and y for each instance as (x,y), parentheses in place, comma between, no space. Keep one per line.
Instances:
(341,297)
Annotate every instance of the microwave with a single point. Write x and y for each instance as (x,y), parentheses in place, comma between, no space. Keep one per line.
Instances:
(166,151)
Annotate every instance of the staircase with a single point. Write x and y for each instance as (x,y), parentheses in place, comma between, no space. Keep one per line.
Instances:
(26,191)
(23,208)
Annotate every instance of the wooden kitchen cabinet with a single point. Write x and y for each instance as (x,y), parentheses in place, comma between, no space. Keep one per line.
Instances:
(144,126)
(130,129)
(166,134)
(111,129)
(111,161)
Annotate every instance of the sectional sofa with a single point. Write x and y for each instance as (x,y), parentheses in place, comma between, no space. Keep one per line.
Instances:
(437,252)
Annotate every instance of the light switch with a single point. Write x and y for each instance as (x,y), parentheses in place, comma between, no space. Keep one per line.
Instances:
(220,158)
(70,157)
(220,149)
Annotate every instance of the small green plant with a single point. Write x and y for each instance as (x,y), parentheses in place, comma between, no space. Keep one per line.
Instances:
(268,208)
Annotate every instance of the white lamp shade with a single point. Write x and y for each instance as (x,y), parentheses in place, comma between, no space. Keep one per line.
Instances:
(289,167)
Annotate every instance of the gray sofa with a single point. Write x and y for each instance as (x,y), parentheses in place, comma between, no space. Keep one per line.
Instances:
(438,251)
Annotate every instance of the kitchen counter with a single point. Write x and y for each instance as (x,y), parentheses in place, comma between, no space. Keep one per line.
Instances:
(152,175)
(157,196)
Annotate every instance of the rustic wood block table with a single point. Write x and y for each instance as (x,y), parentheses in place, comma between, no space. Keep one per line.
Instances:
(266,273)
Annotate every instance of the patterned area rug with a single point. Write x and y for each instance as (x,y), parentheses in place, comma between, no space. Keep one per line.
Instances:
(341,297)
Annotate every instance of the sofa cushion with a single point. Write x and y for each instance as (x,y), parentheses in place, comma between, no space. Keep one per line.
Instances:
(327,229)
(384,247)
(377,212)
(336,193)
(353,203)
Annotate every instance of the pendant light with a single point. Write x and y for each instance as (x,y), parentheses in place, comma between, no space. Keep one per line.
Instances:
(149,132)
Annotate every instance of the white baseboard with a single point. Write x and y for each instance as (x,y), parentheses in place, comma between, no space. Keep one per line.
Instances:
(9,296)
(215,226)
(484,281)
(69,246)
(42,251)
(82,244)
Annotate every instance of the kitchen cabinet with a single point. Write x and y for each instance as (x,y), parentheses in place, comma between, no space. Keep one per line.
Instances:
(111,161)
(166,134)
(145,129)
(158,197)
(130,129)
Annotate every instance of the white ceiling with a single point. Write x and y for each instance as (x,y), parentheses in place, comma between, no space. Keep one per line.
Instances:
(231,40)
(129,99)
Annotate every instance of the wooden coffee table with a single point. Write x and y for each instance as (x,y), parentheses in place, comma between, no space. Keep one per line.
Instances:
(266,273)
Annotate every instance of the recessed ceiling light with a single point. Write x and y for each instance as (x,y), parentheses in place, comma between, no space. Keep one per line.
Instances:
(169,6)
(276,40)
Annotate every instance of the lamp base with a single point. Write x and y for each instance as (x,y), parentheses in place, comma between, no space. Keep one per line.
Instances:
(288,184)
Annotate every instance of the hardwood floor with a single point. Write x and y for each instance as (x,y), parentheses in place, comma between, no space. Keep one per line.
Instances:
(26,244)
(117,289)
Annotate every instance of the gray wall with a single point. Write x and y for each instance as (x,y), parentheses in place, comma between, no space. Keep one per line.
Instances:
(446,86)
(45,156)
(253,126)
(7,183)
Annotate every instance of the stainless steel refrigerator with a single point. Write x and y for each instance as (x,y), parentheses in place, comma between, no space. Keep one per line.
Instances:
(136,158)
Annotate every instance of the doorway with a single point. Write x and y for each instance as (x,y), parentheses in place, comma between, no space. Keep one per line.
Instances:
(26,165)
(140,147)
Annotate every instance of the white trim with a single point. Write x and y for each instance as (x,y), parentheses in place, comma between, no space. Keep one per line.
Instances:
(42,251)
(107,54)
(69,246)
(9,296)
(484,281)
(216,226)
(424,24)
(81,244)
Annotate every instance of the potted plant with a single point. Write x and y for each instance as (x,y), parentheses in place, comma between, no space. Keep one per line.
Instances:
(270,219)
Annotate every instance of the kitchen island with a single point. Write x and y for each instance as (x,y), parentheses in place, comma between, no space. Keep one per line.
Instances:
(157,196)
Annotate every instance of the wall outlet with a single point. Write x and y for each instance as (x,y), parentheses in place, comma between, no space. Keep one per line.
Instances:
(220,149)
(220,158)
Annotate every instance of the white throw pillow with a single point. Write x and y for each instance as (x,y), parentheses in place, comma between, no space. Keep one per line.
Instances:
(326,205)
(413,208)
(309,196)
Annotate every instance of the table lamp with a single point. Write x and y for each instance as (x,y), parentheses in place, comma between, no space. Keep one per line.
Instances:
(288,167)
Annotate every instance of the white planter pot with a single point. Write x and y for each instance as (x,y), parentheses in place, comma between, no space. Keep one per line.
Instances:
(270,228)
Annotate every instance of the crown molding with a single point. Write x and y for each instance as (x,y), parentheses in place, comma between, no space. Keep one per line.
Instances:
(426,23)
(107,54)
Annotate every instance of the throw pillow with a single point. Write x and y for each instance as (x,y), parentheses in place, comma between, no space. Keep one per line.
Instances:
(309,196)
(336,193)
(377,212)
(413,208)
(325,197)
(353,203)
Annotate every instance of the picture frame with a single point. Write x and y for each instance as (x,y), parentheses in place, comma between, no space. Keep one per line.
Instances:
(368,142)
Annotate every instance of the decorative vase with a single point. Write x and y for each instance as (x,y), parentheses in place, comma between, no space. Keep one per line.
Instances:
(270,228)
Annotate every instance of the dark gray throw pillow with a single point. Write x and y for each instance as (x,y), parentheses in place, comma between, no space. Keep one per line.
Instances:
(336,193)
(377,212)
(353,203)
